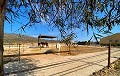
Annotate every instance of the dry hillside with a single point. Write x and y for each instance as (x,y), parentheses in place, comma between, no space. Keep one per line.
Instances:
(113,39)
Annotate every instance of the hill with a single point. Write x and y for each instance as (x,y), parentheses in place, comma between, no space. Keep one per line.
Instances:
(113,39)
(17,38)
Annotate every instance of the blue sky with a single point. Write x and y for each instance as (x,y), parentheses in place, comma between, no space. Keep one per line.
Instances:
(41,29)
(46,30)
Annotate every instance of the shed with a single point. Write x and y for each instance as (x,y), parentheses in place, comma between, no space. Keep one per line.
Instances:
(44,44)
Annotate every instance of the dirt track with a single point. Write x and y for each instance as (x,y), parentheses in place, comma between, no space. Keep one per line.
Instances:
(56,65)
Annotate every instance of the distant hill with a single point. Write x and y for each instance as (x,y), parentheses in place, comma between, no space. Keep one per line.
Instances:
(113,39)
(16,38)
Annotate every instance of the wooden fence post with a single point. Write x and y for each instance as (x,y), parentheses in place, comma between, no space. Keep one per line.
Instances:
(69,48)
(19,52)
(23,47)
(109,52)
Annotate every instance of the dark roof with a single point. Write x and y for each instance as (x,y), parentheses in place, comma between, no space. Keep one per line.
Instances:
(44,36)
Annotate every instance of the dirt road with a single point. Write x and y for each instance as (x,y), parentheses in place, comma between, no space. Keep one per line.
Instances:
(56,65)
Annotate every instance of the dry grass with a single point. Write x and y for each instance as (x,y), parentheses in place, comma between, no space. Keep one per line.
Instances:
(81,49)
(73,50)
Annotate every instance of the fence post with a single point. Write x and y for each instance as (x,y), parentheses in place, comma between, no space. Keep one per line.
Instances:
(9,47)
(23,47)
(69,48)
(19,52)
(109,52)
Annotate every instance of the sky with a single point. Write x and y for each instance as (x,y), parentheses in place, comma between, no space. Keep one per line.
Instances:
(41,28)
(45,29)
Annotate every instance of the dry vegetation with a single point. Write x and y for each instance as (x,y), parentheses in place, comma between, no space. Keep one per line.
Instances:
(13,48)
(44,59)
(64,50)
(113,71)
(114,40)
(82,49)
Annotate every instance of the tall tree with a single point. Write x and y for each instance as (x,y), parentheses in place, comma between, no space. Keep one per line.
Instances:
(2,16)
(65,15)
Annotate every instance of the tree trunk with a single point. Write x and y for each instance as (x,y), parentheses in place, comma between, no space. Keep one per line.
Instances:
(2,17)
(1,43)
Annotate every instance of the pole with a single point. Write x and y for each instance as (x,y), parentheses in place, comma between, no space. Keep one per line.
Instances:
(23,47)
(69,48)
(19,52)
(9,47)
(40,41)
(109,50)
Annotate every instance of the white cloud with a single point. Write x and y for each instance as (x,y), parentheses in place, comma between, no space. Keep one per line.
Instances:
(34,35)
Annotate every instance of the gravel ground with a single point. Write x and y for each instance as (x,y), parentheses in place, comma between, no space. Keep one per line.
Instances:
(57,65)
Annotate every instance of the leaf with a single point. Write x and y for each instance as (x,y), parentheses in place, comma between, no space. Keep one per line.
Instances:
(87,29)
(10,10)
(90,38)
(99,35)
(8,19)
(23,29)
(95,37)
(107,32)
(101,7)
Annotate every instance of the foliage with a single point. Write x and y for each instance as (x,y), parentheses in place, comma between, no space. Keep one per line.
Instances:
(82,43)
(67,15)
(117,66)
(68,39)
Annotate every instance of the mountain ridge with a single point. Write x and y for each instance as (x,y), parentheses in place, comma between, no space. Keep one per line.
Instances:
(18,38)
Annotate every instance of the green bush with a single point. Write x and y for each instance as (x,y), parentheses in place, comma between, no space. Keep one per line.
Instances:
(117,66)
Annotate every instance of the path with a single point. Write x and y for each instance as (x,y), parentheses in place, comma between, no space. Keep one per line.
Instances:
(55,65)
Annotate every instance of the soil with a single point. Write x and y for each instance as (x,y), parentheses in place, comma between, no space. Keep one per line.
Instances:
(41,65)
(81,50)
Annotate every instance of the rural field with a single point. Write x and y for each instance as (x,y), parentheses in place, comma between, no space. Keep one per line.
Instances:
(74,50)
(80,61)
(59,37)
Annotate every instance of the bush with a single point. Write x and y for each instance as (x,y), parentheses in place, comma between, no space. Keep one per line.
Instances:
(117,65)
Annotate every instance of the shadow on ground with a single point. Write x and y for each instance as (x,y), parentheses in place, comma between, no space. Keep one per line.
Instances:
(16,68)
(50,51)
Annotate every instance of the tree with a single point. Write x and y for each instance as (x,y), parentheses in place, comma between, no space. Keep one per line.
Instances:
(2,15)
(68,40)
(65,15)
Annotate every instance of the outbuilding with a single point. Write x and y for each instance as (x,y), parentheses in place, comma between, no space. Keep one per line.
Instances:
(44,43)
